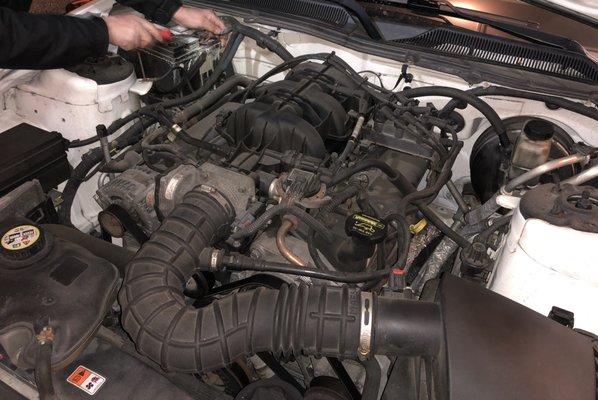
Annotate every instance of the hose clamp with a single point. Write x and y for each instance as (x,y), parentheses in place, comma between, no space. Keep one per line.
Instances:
(175,129)
(219,197)
(365,331)
(46,335)
(215,260)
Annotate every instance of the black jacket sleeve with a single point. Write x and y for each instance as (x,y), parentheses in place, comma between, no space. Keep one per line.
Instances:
(29,41)
(159,11)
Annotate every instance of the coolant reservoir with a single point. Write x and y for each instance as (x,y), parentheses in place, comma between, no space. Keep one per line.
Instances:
(73,102)
(550,258)
(48,282)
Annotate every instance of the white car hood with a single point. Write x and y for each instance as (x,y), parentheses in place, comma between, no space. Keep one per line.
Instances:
(586,10)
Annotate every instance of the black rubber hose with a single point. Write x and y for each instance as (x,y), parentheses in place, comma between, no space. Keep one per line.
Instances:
(394,176)
(43,371)
(442,227)
(211,97)
(292,321)
(576,107)
(263,40)
(496,225)
(483,107)
(150,115)
(432,191)
(313,251)
(277,210)
(340,65)
(237,262)
(340,198)
(404,238)
(83,142)
(393,332)
(89,160)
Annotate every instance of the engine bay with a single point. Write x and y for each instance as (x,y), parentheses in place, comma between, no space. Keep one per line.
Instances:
(297,229)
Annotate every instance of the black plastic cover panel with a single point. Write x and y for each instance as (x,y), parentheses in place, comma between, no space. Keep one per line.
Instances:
(126,377)
(31,153)
(498,349)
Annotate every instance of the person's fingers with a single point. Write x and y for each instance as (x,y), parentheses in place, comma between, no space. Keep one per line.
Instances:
(199,19)
(214,24)
(134,43)
(217,24)
(210,26)
(153,31)
(147,39)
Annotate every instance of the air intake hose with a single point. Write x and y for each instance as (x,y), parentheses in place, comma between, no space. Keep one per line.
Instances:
(312,320)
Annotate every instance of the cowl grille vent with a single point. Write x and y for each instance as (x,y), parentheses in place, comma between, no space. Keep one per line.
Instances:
(330,13)
(507,52)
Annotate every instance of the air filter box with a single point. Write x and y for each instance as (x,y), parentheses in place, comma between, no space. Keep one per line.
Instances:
(49,282)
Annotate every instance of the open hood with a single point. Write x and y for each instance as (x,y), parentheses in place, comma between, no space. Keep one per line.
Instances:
(582,10)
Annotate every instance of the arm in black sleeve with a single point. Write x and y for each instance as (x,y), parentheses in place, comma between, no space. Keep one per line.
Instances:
(16,5)
(160,11)
(29,41)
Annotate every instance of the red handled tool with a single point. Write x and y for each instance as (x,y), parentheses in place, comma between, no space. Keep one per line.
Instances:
(166,34)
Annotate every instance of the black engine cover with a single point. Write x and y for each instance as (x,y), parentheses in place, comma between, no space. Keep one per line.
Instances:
(289,115)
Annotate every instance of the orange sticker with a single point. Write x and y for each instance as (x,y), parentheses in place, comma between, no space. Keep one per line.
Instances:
(87,380)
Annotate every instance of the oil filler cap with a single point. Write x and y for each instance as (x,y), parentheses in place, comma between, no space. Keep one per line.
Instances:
(367,228)
(21,240)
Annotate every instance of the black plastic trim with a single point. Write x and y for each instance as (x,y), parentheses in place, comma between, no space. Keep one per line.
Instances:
(328,13)
(515,54)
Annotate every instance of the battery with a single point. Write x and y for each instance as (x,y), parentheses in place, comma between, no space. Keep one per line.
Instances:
(186,56)
(31,153)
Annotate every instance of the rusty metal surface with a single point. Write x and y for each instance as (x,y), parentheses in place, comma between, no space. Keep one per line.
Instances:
(563,205)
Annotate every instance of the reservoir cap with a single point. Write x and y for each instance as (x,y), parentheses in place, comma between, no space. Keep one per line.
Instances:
(538,129)
(20,241)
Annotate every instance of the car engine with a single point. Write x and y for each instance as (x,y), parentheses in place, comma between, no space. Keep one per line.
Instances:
(306,233)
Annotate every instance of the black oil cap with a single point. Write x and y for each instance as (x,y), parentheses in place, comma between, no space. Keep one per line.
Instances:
(365,227)
(538,129)
(20,240)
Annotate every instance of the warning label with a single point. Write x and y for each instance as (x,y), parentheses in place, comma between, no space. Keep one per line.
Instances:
(87,380)
(20,237)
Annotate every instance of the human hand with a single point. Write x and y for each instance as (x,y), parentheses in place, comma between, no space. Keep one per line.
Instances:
(198,18)
(130,32)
